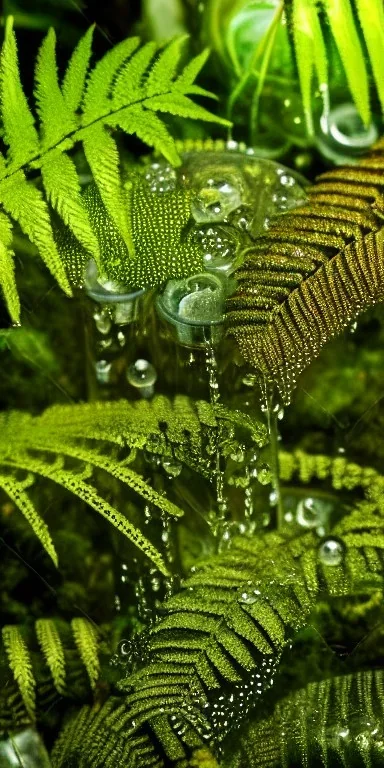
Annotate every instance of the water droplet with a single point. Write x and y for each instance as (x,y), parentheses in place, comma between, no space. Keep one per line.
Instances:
(102,321)
(172,468)
(103,371)
(142,375)
(215,199)
(312,512)
(331,552)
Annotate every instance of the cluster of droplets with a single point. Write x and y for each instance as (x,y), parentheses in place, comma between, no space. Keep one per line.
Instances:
(219,246)
(161,177)
(236,701)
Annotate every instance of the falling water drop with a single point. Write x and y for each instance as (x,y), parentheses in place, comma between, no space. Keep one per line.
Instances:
(142,375)
(331,552)
(103,371)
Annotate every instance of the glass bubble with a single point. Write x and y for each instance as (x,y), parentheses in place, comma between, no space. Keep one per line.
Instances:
(331,552)
(142,375)
(172,468)
(102,321)
(341,135)
(192,305)
(216,200)
(239,185)
(220,245)
(122,301)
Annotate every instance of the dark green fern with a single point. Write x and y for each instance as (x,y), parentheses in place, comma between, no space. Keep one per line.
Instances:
(337,722)
(218,646)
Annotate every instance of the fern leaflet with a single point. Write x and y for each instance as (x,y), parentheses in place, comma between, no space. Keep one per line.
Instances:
(20,664)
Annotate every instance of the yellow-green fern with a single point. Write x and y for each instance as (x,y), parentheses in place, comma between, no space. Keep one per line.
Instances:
(20,664)
(124,91)
(50,444)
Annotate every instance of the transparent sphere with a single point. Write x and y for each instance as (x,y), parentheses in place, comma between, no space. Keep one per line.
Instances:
(331,552)
(141,374)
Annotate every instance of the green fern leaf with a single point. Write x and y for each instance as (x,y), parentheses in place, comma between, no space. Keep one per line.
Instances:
(62,186)
(86,637)
(19,130)
(15,489)
(56,119)
(181,105)
(314,272)
(149,128)
(103,158)
(20,664)
(344,30)
(80,488)
(115,95)
(76,72)
(100,84)
(129,81)
(371,17)
(165,68)
(52,648)
(26,205)
(310,52)
(332,722)
(186,80)
(7,269)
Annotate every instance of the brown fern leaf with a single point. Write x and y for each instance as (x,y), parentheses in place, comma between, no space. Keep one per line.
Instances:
(315,271)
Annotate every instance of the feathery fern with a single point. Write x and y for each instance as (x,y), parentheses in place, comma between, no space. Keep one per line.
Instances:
(40,446)
(41,666)
(125,90)
(333,722)
(217,647)
(315,271)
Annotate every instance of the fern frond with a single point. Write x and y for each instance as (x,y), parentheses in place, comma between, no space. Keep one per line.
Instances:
(55,660)
(15,489)
(371,17)
(334,722)
(310,52)
(76,72)
(175,430)
(7,269)
(224,630)
(315,271)
(55,116)
(20,664)
(19,125)
(119,92)
(86,636)
(52,649)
